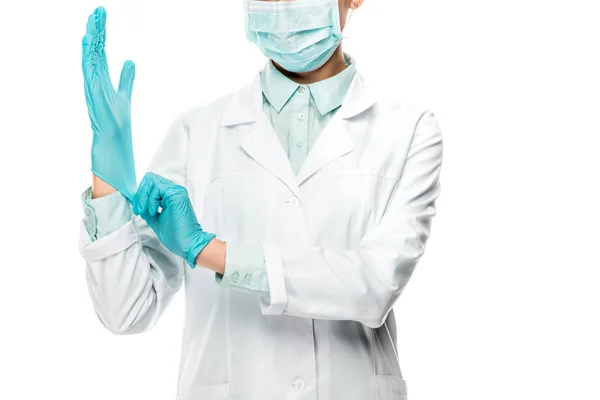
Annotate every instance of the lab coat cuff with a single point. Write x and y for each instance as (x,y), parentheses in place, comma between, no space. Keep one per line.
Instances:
(244,269)
(109,245)
(106,214)
(89,219)
(276,303)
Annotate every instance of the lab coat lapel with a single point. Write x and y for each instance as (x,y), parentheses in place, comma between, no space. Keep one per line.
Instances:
(335,140)
(259,141)
(262,144)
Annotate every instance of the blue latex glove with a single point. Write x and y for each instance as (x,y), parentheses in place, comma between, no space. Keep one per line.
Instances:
(175,225)
(109,110)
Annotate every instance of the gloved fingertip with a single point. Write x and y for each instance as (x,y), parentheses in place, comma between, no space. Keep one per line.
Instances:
(130,65)
(85,45)
(151,221)
(134,207)
(127,78)
(100,14)
(91,25)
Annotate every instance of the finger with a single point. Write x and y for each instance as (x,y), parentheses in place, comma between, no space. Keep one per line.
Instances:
(154,200)
(96,24)
(127,78)
(161,179)
(145,197)
(94,58)
(175,195)
(101,22)
(140,200)
(101,29)
(152,221)
(161,182)
(135,201)
(88,39)
(86,46)
(162,188)
(92,28)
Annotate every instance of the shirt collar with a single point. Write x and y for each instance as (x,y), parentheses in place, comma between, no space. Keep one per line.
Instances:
(327,94)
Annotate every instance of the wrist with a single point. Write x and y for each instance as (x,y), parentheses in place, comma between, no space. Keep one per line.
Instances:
(212,256)
(100,188)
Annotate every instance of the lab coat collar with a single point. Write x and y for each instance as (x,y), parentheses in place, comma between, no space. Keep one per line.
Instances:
(260,141)
(245,105)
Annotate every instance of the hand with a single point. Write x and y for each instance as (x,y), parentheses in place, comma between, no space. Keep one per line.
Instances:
(109,110)
(175,225)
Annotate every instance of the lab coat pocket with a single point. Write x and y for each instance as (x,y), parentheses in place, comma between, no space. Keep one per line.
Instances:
(219,391)
(390,388)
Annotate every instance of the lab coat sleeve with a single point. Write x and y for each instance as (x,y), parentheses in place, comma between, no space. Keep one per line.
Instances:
(131,276)
(363,284)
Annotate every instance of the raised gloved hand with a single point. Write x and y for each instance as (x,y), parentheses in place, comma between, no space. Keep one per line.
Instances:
(175,225)
(109,110)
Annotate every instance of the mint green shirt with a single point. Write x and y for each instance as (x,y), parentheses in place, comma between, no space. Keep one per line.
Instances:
(298,114)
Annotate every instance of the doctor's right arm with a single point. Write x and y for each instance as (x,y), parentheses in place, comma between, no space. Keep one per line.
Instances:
(131,276)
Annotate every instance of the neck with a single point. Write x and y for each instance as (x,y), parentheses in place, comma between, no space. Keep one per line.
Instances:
(333,66)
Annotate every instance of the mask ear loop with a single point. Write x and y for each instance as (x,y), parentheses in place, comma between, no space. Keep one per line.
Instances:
(347,21)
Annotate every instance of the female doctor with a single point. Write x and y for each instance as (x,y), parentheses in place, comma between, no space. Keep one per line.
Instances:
(294,211)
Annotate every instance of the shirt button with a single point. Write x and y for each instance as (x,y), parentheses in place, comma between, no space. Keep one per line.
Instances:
(235,277)
(248,278)
(301,89)
(300,116)
(294,202)
(299,385)
(300,143)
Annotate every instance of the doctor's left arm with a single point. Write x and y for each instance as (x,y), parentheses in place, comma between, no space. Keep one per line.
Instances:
(363,284)
(131,276)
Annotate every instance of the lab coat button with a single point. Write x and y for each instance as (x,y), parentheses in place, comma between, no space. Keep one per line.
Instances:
(235,277)
(301,116)
(294,202)
(301,89)
(299,385)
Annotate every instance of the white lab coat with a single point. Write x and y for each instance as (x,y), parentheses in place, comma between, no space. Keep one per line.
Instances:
(341,240)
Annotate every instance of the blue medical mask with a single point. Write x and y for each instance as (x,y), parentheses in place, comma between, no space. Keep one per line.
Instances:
(299,35)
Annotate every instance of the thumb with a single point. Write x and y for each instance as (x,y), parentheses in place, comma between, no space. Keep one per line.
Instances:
(151,220)
(127,78)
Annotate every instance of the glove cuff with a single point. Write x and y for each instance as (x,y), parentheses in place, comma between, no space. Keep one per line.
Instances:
(203,241)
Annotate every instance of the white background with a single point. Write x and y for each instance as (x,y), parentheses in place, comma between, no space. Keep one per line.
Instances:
(505,302)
